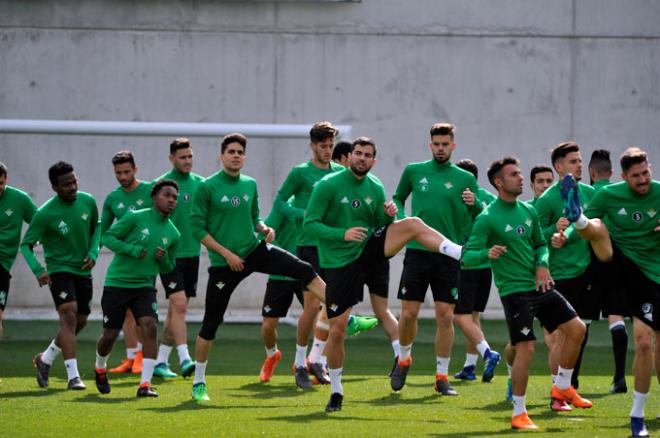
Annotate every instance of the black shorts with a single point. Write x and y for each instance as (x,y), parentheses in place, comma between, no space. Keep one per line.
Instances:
(117,300)
(609,280)
(310,254)
(377,279)
(265,258)
(473,290)
(279,296)
(66,287)
(579,292)
(182,278)
(4,287)
(422,269)
(345,285)
(520,309)
(642,292)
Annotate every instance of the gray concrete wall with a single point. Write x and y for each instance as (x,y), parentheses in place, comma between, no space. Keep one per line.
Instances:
(515,76)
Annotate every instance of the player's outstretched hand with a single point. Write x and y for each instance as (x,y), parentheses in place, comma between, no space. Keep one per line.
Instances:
(89,264)
(390,208)
(558,240)
(468,197)
(355,234)
(269,233)
(496,252)
(544,281)
(562,224)
(235,262)
(160,253)
(44,279)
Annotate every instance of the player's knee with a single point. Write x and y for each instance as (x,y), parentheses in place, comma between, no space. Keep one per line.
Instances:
(525,348)
(269,324)
(643,343)
(337,330)
(209,328)
(178,306)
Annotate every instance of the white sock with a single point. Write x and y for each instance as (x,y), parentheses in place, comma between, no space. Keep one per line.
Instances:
(71,366)
(442,365)
(509,368)
(564,378)
(483,348)
(396,347)
(335,380)
(200,372)
(130,353)
(301,356)
(184,355)
(404,352)
(581,223)
(270,352)
(317,350)
(50,353)
(554,378)
(519,405)
(639,401)
(101,361)
(148,366)
(470,360)
(449,248)
(139,347)
(324,361)
(163,353)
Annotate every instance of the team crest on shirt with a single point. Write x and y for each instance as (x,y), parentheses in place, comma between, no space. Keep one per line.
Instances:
(521,230)
(651,212)
(449,185)
(63,227)
(637,216)
(528,222)
(267,308)
(235,201)
(139,202)
(9,212)
(246,197)
(525,331)
(144,234)
(165,240)
(368,200)
(424,185)
(220,285)
(3,297)
(186,197)
(355,203)
(84,216)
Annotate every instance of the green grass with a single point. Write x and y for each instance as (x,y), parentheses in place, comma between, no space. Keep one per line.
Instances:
(241,406)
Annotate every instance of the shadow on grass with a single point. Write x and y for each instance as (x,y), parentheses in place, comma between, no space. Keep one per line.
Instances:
(103,399)
(192,405)
(266,391)
(394,398)
(316,416)
(37,392)
(505,431)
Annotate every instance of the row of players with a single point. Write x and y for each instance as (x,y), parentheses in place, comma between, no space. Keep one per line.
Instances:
(349,233)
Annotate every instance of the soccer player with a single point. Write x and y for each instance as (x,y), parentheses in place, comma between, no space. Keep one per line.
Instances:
(508,233)
(630,209)
(132,194)
(444,197)
(473,292)
(614,306)
(299,183)
(16,207)
(340,153)
(181,284)
(225,216)
(279,294)
(569,255)
(540,179)
(67,227)
(145,243)
(349,215)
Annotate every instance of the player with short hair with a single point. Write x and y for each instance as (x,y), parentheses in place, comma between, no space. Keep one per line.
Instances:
(181,284)
(444,197)
(67,225)
(508,233)
(16,207)
(630,209)
(145,242)
(600,168)
(340,153)
(540,179)
(473,293)
(132,194)
(354,223)
(225,217)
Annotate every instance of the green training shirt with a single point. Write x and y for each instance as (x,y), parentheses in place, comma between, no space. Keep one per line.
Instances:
(485,198)
(227,208)
(436,198)
(533,201)
(341,201)
(16,207)
(574,257)
(516,226)
(142,230)
(188,182)
(286,232)
(597,185)
(299,183)
(69,232)
(119,201)
(631,219)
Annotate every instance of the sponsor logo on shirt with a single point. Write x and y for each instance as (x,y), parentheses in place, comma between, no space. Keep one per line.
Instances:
(224,198)
(355,203)
(637,216)
(186,197)
(144,234)
(508,228)
(521,230)
(63,227)
(423,185)
(120,206)
(235,201)
(622,212)
(344,200)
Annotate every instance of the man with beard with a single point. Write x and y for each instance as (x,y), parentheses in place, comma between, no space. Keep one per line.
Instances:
(354,223)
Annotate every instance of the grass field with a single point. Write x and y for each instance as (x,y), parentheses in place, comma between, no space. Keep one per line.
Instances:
(242,406)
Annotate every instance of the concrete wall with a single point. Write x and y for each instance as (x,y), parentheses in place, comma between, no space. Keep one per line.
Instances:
(516,76)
